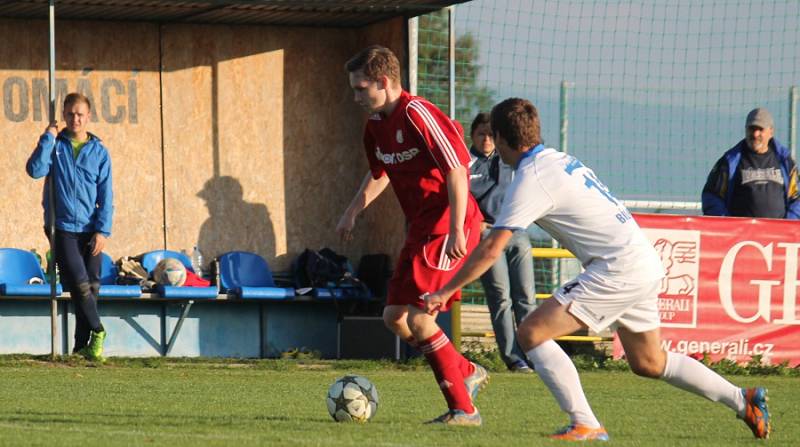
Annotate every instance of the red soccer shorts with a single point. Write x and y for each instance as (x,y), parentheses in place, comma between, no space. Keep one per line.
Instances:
(424,267)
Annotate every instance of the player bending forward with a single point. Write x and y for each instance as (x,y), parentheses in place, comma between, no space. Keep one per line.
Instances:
(618,287)
(412,144)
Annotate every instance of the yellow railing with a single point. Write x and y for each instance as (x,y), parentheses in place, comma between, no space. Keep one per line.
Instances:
(549,253)
(546,253)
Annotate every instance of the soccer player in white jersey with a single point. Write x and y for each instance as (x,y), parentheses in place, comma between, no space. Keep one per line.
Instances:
(618,287)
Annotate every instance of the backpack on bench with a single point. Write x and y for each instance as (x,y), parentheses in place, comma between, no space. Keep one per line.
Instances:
(326,269)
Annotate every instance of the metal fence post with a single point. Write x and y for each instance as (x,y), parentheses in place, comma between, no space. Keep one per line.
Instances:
(793,94)
(564,118)
(563,143)
(455,311)
(51,267)
(413,54)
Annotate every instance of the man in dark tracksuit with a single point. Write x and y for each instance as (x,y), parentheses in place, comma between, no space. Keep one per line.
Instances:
(81,170)
(755,178)
(509,283)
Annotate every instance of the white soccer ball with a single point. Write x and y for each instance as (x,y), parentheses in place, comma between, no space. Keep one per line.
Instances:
(169,272)
(352,399)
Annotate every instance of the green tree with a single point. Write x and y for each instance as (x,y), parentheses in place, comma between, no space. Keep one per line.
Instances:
(434,69)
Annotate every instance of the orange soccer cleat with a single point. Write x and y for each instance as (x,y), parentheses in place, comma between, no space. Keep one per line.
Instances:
(756,414)
(580,433)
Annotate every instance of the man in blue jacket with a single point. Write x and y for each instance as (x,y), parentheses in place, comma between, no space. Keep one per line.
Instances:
(81,169)
(755,178)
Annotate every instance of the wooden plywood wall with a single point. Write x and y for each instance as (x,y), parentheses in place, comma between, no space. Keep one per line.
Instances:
(261,145)
(385,214)
(116,66)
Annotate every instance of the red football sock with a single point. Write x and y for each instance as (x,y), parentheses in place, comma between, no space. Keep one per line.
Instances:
(466,367)
(446,363)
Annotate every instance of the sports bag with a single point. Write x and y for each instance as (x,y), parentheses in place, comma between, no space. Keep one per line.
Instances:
(323,268)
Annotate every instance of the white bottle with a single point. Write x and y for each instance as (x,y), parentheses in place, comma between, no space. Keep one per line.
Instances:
(197,261)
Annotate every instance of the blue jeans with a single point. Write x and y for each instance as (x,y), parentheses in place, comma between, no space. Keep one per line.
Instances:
(510,295)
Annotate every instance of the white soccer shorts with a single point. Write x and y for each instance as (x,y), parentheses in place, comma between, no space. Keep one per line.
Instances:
(601,302)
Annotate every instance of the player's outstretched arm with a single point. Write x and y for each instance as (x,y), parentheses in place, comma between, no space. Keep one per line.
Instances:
(457,191)
(478,262)
(369,190)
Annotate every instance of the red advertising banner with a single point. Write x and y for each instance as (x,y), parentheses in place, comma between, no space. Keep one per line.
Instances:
(731,286)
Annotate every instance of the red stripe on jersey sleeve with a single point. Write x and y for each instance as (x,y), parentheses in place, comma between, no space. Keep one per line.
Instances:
(440,135)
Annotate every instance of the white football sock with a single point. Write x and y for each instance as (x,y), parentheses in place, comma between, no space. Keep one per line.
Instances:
(688,374)
(559,374)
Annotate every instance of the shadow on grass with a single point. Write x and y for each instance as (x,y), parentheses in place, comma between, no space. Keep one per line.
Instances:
(151,419)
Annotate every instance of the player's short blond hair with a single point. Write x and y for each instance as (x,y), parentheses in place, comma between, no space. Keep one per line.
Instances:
(375,61)
(75,98)
(517,121)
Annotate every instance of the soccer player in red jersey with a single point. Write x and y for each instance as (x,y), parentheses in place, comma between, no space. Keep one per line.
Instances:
(415,146)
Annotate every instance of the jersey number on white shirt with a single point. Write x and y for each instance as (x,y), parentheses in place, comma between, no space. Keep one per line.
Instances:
(592,182)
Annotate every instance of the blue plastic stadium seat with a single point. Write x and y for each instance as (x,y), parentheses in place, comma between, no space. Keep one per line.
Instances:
(108,281)
(247,276)
(17,268)
(151,259)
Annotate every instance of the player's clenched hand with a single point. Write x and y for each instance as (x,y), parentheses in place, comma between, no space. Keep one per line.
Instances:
(345,227)
(53,129)
(456,247)
(433,301)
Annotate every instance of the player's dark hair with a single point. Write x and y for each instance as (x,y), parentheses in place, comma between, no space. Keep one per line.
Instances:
(74,98)
(480,118)
(375,61)
(517,121)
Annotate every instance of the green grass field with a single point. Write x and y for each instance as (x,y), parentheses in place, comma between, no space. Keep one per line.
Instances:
(282,402)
